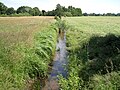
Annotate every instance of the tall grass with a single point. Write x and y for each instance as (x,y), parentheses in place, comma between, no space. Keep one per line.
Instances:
(93,45)
(26,47)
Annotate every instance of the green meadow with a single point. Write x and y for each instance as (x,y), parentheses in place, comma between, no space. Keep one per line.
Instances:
(28,46)
(93,44)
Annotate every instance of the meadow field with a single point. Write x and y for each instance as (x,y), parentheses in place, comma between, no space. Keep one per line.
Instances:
(28,45)
(94,53)
(22,44)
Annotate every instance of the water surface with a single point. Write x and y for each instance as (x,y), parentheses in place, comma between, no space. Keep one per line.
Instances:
(59,65)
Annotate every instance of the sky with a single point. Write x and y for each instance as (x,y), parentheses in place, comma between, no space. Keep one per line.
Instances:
(88,6)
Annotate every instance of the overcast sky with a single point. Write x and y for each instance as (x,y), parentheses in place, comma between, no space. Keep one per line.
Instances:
(89,6)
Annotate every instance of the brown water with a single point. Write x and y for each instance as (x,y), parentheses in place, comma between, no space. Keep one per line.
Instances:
(59,65)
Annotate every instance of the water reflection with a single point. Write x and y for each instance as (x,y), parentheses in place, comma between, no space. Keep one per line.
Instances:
(59,65)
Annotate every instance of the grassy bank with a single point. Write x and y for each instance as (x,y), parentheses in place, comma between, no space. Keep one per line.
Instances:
(26,47)
(93,45)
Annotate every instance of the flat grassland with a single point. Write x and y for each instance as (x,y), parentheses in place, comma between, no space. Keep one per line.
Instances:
(17,41)
(21,29)
(96,25)
(86,27)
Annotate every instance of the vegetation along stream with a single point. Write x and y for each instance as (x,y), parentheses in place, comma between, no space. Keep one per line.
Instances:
(58,65)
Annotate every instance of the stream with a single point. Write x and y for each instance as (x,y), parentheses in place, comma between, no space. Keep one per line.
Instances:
(58,65)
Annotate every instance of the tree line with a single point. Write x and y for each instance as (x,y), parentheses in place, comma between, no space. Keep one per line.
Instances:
(63,11)
(58,11)
(104,14)
(4,10)
(26,10)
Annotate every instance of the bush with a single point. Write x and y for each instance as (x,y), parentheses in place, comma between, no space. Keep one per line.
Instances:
(15,15)
(103,51)
(68,14)
(20,14)
(105,82)
(3,15)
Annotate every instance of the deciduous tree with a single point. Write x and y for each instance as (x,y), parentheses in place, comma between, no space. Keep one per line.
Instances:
(3,8)
(36,11)
(10,11)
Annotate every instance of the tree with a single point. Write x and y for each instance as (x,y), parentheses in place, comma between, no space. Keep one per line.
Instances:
(36,11)
(31,12)
(51,13)
(10,11)
(64,9)
(92,14)
(75,11)
(3,8)
(43,12)
(78,12)
(59,10)
(85,14)
(68,14)
(70,8)
(25,9)
(21,10)
(118,14)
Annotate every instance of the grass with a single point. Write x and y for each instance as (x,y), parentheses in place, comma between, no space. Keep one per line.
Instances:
(94,25)
(26,47)
(93,45)
(22,29)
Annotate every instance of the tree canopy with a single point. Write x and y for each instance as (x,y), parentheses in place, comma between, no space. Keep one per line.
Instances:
(70,11)
(24,9)
(36,11)
(43,12)
(58,11)
(3,8)
(10,11)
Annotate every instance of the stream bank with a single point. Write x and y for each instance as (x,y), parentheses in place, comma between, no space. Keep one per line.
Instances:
(58,65)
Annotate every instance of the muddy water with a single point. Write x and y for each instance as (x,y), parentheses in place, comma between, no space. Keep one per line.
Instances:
(59,65)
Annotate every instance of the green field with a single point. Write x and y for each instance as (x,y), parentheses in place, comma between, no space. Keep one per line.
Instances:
(94,45)
(27,47)
(23,54)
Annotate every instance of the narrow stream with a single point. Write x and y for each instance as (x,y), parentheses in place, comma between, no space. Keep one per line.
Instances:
(59,65)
